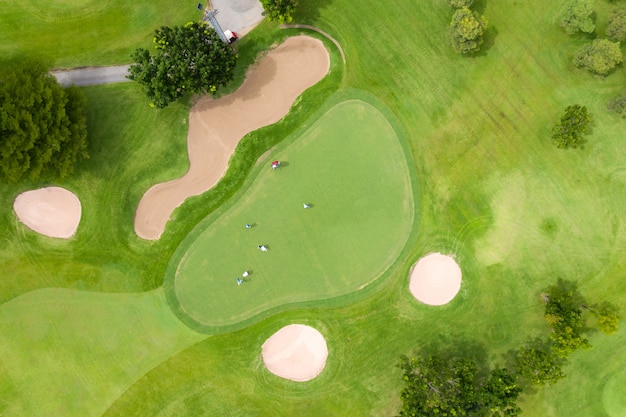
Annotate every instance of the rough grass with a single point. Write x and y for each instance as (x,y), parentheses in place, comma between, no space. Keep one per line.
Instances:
(516,211)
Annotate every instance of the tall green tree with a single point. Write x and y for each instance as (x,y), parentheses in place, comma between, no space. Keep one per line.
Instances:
(435,387)
(616,29)
(280,10)
(189,58)
(466,30)
(499,394)
(568,132)
(43,128)
(576,17)
(600,56)
(536,362)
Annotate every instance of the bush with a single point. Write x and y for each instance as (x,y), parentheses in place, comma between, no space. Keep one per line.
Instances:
(599,57)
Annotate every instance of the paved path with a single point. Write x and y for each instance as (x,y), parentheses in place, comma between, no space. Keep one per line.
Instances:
(239,16)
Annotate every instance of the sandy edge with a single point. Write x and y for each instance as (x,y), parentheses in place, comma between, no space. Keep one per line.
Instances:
(295,352)
(435,279)
(51,211)
(217,126)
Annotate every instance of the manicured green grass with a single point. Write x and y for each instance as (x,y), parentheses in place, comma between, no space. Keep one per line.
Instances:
(110,339)
(516,212)
(85,32)
(350,166)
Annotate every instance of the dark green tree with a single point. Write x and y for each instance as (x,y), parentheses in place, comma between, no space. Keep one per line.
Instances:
(538,364)
(564,314)
(616,29)
(437,387)
(43,128)
(577,17)
(280,10)
(600,56)
(457,4)
(568,132)
(466,30)
(499,394)
(189,58)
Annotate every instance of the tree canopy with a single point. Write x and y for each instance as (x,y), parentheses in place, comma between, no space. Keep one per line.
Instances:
(189,58)
(43,127)
(576,17)
(601,56)
(568,132)
(280,10)
(466,30)
(435,386)
(616,29)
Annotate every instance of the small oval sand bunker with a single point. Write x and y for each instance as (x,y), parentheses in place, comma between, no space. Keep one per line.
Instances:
(435,279)
(216,126)
(51,211)
(296,352)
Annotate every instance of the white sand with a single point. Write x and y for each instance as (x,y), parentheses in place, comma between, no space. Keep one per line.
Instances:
(435,279)
(51,211)
(295,352)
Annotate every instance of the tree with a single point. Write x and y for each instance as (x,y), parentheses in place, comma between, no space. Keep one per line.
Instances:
(457,4)
(436,387)
(43,127)
(567,133)
(601,56)
(499,394)
(466,30)
(617,105)
(538,364)
(189,58)
(616,29)
(564,314)
(577,17)
(607,316)
(281,10)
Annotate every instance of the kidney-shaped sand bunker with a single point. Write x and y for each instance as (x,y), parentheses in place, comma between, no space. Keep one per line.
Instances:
(295,352)
(51,211)
(435,279)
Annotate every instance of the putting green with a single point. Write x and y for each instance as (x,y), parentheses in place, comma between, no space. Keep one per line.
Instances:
(351,167)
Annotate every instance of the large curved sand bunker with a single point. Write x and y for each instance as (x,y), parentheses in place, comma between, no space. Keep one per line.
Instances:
(51,211)
(435,279)
(216,126)
(296,352)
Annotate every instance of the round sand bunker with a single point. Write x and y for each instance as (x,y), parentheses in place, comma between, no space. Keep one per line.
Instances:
(435,279)
(51,211)
(296,352)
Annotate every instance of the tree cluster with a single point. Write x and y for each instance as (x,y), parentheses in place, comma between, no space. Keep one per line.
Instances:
(576,17)
(280,10)
(438,387)
(568,132)
(43,127)
(601,56)
(466,30)
(189,58)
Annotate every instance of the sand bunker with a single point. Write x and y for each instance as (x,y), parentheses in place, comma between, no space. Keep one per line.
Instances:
(216,126)
(296,352)
(51,211)
(435,279)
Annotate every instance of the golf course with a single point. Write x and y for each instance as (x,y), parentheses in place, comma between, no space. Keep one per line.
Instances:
(405,152)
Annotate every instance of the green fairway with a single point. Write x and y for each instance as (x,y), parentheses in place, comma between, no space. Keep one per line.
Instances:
(113,339)
(85,32)
(351,168)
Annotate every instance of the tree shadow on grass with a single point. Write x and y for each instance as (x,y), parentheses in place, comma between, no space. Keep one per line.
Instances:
(309,10)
